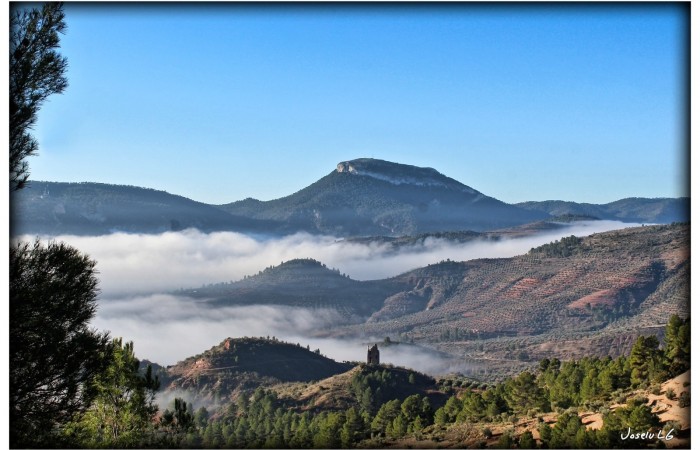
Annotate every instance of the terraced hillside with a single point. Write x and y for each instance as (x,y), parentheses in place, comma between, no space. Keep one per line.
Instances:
(604,286)
(593,281)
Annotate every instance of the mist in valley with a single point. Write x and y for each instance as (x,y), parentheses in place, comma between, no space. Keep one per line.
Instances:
(168,328)
(140,273)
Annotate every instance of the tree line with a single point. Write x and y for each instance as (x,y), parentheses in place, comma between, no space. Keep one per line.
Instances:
(383,412)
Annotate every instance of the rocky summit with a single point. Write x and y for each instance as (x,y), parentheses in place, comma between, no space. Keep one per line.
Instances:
(398,174)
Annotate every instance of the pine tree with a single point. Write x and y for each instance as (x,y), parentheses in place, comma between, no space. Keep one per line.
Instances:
(123,409)
(353,428)
(527,440)
(201,417)
(645,360)
(522,393)
(677,350)
(54,354)
(36,72)
(385,416)
(329,426)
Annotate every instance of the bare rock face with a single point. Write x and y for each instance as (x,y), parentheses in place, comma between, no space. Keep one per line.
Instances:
(402,174)
(345,166)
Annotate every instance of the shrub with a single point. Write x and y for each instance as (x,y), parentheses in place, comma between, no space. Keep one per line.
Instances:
(670,394)
(671,425)
(505,441)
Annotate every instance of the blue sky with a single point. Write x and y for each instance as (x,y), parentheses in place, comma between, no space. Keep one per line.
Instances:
(522,102)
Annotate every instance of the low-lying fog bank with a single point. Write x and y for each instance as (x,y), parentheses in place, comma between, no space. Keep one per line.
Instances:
(138,264)
(167,329)
(136,270)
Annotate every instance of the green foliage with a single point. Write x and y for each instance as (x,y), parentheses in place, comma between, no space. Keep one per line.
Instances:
(180,419)
(522,393)
(565,433)
(636,416)
(328,433)
(385,416)
(574,383)
(646,361)
(201,417)
(562,248)
(179,423)
(564,385)
(506,440)
(475,406)
(354,428)
(440,416)
(527,440)
(36,72)
(545,434)
(373,386)
(54,354)
(670,394)
(677,349)
(122,412)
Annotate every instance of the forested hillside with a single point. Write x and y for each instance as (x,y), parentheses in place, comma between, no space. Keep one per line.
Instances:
(300,283)
(587,403)
(96,208)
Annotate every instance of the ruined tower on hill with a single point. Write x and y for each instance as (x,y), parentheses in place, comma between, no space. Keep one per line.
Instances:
(373,355)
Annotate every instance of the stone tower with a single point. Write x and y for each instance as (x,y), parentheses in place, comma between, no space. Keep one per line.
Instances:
(373,355)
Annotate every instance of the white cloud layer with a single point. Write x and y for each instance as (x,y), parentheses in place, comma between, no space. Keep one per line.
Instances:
(137,270)
(131,264)
(167,329)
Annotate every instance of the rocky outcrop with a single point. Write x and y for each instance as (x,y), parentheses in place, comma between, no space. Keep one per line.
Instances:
(398,174)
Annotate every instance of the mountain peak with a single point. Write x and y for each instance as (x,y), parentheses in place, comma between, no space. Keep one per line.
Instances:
(379,165)
(397,174)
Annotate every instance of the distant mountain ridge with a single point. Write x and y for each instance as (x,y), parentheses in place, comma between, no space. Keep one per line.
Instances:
(634,209)
(95,208)
(361,197)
